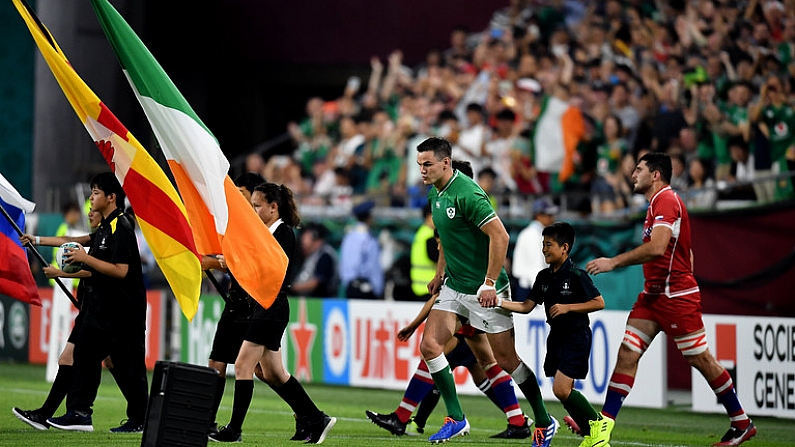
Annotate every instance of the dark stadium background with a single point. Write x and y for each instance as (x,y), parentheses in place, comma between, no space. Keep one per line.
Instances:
(258,61)
(246,66)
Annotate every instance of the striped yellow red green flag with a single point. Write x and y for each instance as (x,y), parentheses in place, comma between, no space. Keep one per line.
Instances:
(222,220)
(158,208)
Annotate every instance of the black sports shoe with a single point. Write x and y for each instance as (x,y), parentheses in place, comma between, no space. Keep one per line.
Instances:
(319,429)
(389,422)
(226,434)
(213,428)
(735,436)
(514,432)
(128,426)
(32,418)
(302,432)
(73,421)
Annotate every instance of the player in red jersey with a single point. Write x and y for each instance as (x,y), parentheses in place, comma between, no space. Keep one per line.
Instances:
(670,301)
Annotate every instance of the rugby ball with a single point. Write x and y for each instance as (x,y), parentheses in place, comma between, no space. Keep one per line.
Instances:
(61,261)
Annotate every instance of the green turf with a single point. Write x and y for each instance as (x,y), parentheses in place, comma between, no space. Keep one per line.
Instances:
(270,421)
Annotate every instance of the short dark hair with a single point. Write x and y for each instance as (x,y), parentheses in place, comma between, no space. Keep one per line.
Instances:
(738,141)
(109,184)
(506,115)
(487,171)
(560,232)
(249,180)
(364,116)
(622,84)
(447,114)
(464,166)
(657,161)
(440,147)
(677,155)
(619,124)
(474,107)
(70,206)
(742,56)
(317,230)
(426,210)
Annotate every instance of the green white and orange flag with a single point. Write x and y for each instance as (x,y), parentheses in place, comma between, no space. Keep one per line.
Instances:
(222,220)
(158,208)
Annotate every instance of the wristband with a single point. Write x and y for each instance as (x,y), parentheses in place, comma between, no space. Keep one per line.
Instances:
(499,302)
(38,240)
(484,287)
(493,281)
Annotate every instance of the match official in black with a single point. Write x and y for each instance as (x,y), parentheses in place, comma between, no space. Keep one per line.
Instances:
(233,324)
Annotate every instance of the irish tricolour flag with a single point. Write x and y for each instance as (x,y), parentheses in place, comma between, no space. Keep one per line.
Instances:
(559,128)
(223,221)
(158,208)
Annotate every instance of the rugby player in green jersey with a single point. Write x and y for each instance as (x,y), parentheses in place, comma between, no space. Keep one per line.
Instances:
(469,279)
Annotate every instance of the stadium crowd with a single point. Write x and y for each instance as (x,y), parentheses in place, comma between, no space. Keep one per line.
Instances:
(554,98)
(561,97)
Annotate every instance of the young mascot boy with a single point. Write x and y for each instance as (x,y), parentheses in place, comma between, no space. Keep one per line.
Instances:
(568,295)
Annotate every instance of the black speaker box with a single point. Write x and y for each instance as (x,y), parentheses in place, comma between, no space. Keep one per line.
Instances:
(180,405)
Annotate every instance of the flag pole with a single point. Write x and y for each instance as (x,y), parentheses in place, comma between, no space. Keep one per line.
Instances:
(41,259)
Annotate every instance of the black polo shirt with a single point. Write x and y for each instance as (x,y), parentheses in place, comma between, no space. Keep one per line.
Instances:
(116,304)
(569,285)
(285,236)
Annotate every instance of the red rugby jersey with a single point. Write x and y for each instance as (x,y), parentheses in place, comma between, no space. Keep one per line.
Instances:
(670,274)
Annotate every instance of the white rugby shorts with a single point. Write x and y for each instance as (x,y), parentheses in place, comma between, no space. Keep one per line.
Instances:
(490,321)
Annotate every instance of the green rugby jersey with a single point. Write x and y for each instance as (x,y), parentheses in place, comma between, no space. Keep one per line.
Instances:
(781,128)
(458,211)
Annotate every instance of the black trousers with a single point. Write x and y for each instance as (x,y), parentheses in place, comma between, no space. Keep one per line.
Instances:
(127,352)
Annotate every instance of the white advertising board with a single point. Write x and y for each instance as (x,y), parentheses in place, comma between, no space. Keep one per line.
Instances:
(759,353)
(376,359)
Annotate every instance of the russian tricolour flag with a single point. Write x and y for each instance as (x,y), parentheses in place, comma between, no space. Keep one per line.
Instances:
(16,279)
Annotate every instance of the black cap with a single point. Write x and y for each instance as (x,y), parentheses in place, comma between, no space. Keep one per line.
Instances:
(363,209)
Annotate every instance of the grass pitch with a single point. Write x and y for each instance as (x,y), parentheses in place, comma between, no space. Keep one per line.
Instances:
(270,421)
